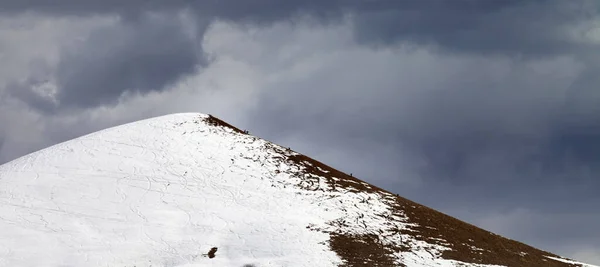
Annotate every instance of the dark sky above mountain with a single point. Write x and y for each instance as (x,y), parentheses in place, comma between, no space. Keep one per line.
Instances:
(486,110)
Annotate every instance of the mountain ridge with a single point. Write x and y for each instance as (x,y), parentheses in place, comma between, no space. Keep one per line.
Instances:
(466,255)
(368,227)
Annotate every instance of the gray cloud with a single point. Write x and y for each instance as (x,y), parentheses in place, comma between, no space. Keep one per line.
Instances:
(74,7)
(530,28)
(130,56)
(141,56)
(25,91)
(517,27)
(148,49)
(262,11)
(146,53)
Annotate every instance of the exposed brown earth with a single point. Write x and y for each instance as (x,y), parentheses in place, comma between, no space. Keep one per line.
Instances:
(214,121)
(430,225)
(362,250)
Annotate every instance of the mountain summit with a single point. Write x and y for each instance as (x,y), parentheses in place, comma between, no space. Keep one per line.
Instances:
(191,190)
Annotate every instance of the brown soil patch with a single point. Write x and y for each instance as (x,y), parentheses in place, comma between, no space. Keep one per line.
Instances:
(214,121)
(361,250)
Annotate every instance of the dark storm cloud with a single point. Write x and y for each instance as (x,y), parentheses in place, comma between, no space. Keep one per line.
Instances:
(74,7)
(519,27)
(526,28)
(147,50)
(141,56)
(130,56)
(249,11)
(547,135)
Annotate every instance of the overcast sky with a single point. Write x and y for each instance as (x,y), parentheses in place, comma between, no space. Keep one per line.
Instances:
(486,110)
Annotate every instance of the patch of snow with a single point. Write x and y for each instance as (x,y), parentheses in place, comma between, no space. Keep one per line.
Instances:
(321,170)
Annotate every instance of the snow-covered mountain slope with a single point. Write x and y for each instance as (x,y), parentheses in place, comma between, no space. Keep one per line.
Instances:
(191,190)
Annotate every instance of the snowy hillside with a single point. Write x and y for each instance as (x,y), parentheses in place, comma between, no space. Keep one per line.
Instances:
(189,190)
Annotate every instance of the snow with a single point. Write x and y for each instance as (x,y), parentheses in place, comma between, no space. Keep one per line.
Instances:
(164,191)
